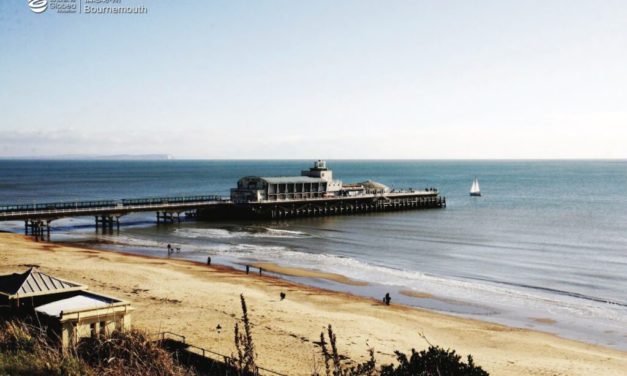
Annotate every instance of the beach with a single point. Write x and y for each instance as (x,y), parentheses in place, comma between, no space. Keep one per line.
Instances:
(192,299)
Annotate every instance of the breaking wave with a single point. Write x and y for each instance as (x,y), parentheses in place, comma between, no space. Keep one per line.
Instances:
(253,232)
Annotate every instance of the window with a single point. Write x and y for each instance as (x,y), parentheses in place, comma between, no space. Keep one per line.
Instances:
(103,328)
(92,329)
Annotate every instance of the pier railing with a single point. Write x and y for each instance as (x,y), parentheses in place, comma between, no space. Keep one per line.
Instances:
(293,196)
(117,208)
(105,204)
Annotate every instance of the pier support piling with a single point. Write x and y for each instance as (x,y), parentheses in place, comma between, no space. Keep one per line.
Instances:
(37,227)
(106,222)
(168,217)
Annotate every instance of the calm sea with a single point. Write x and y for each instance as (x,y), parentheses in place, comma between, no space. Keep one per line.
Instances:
(546,242)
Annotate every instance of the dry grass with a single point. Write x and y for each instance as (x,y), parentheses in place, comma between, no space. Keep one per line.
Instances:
(26,350)
(127,353)
(244,363)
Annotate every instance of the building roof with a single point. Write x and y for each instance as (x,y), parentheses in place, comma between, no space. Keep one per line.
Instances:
(79,302)
(370,184)
(33,282)
(292,179)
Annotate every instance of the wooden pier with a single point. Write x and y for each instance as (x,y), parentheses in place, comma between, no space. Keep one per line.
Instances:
(38,217)
(107,214)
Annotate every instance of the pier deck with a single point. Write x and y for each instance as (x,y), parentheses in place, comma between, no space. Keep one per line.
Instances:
(37,217)
(119,208)
(107,213)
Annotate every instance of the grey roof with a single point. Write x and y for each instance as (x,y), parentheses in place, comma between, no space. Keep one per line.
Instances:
(292,179)
(79,302)
(33,282)
(373,184)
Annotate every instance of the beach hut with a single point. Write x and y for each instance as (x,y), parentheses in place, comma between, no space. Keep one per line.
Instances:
(67,309)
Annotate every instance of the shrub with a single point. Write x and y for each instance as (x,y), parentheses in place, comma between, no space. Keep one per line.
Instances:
(127,353)
(435,361)
(24,350)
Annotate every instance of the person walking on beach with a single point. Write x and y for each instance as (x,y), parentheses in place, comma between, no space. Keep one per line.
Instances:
(387,299)
(169,249)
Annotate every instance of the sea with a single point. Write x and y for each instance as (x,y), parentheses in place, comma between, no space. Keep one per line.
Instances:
(544,247)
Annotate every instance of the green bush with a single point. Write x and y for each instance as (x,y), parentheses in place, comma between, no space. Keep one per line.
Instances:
(434,361)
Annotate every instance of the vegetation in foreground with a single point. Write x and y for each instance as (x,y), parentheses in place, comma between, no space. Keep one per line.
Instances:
(26,350)
(434,361)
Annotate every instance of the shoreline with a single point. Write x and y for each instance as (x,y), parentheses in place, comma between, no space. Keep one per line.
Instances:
(306,273)
(192,298)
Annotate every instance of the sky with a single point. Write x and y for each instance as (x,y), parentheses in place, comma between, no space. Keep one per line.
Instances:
(351,79)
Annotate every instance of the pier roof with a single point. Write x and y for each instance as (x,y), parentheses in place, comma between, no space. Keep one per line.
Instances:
(292,179)
(33,282)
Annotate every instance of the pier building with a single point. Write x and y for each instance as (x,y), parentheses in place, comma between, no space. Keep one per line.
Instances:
(316,193)
(317,182)
(313,183)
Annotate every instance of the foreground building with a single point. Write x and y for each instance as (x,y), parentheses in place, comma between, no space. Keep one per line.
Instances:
(68,309)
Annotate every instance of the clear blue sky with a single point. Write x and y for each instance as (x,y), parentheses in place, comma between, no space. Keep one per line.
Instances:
(318,79)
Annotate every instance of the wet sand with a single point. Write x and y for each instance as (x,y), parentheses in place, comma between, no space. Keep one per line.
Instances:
(192,299)
(416,294)
(543,320)
(307,273)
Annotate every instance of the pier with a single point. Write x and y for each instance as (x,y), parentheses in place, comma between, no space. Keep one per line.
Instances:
(312,193)
(107,213)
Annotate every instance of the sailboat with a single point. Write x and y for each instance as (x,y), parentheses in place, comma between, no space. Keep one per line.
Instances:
(474,189)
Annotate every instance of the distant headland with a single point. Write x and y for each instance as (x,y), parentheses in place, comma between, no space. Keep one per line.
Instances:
(96,157)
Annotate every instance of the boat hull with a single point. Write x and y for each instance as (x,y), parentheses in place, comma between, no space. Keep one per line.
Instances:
(475,194)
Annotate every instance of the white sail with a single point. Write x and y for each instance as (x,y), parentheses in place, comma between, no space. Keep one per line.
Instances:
(474,189)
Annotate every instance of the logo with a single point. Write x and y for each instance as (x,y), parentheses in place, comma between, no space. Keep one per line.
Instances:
(38,6)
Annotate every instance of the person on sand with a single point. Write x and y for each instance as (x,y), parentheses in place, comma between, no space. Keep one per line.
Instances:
(387,299)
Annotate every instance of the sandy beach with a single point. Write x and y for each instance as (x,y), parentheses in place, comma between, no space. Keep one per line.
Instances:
(193,299)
